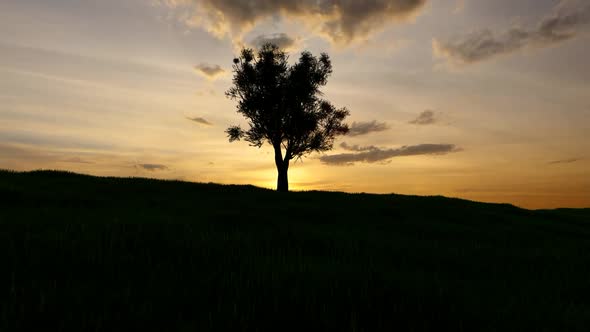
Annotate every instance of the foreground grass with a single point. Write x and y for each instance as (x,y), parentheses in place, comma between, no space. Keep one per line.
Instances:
(80,253)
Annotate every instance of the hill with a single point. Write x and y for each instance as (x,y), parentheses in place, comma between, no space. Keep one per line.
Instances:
(82,253)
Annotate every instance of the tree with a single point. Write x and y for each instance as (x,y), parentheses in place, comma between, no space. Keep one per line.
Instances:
(283,105)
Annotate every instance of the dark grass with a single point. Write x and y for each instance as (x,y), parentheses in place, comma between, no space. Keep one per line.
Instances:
(81,253)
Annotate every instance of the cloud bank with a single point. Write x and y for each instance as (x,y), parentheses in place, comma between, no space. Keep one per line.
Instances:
(425,118)
(372,154)
(565,22)
(340,21)
(365,128)
(209,71)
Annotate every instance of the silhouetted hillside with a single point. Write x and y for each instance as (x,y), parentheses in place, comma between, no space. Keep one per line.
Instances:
(82,253)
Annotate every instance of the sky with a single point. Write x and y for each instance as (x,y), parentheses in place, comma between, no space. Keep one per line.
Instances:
(477,99)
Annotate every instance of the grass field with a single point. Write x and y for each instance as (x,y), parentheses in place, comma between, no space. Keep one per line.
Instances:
(81,253)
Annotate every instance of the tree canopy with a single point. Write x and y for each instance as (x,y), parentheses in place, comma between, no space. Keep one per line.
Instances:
(283,105)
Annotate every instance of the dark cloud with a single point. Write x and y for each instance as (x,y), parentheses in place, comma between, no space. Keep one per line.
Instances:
(564,23)
(425,118)
(364,128)
(341,21)
(209,71)
(357,148)
(152,167)
(373,154)
(564,161)
(281,40)
(200,120)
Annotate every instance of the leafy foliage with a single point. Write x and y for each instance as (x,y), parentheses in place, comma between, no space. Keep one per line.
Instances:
(283,104)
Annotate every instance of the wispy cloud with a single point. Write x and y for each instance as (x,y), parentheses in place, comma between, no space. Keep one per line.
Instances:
(209,71)
(425,118)
(372,154)
(209,92)
(77,160)
(564,161)
(23,153)
(341,22)
(565,22)
(365,128)
(200,120)
(45,140)
(22,156)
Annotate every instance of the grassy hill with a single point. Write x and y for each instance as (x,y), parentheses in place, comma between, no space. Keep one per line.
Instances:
(81,253)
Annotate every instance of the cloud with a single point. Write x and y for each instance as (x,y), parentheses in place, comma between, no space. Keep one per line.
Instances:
(152,167)
(425,118)
(459,6)
(564,161)
(40,139)
(357,148)
(282,40)
(565,22)
(373,154)
(209,71)
(23,157)
(77,160)
(200,120)
(340,21)
(364,128)
(209,92)
(9,152)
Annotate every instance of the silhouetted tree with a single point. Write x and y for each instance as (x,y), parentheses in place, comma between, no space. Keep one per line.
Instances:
(283,105)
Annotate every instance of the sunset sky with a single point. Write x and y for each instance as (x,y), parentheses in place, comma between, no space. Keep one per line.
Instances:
(478,99)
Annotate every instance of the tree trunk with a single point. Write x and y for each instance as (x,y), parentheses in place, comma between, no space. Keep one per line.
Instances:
(282,169)
(283,179)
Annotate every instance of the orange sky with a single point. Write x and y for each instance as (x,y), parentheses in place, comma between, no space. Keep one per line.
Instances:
(109,87)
